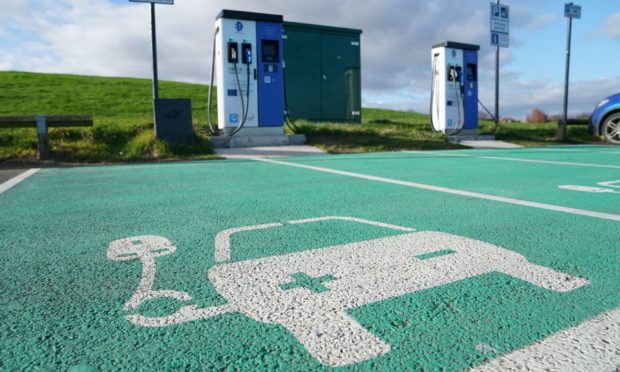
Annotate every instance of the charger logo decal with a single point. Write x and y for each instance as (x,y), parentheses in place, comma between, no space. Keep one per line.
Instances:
(310,292)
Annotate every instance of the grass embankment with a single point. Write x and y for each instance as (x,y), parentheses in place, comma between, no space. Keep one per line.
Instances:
(539,134)
(381,130)
(122,113)
(123,122)
(386,130)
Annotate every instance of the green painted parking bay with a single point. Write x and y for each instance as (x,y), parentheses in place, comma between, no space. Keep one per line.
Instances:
(599,155)
(516,174)
(264,265)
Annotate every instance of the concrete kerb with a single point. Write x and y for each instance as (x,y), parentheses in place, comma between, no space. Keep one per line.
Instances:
(489,144)
(250,140)
(268,151)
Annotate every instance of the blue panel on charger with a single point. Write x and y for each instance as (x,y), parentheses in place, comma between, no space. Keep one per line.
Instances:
(269,74)
(470,80)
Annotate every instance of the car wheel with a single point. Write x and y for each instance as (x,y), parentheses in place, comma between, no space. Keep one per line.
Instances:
(611,129)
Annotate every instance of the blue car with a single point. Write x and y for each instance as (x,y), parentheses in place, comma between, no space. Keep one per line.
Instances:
(605,119)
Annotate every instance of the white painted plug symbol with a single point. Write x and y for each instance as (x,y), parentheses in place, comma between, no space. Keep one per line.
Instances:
(146,249)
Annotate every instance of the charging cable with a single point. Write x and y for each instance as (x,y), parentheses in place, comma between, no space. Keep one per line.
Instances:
(459,103)
(245,103)
(209,99)
(290,123)
(434,104)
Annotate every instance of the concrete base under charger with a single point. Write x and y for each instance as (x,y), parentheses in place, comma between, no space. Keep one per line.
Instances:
(471,139)
(470,135)
(243,140)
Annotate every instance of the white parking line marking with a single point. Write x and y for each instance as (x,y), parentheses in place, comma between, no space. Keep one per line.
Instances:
(590,189)
(589,165)
(501,199)
(614,184)
(596,190)
(17,179)
(591,346)
(573,164)
(559,150)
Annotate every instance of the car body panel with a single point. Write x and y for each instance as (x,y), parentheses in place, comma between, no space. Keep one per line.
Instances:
(600,113)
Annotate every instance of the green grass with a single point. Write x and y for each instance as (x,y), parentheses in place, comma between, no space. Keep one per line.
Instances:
(534,135)
(123,123)
(122,113)
(388,130)
(380,130)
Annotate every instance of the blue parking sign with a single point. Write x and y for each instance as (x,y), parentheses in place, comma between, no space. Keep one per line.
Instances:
(572,11)
(504,11)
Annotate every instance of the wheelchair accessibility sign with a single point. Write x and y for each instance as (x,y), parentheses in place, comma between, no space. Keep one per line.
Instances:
(310,293)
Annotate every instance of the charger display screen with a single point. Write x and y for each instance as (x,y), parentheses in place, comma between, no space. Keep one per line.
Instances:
(270,51)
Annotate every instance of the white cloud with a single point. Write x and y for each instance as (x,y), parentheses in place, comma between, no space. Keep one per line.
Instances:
(611,27)
(95,36)
(539,22)
(100,37)
(13,10)
(519,96)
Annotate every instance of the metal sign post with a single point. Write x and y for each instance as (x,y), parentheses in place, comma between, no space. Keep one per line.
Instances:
(154,45)
(154,52)
(570,11)
(500,28)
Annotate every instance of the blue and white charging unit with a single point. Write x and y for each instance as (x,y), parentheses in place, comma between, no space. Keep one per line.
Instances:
(250,84)
(454,92)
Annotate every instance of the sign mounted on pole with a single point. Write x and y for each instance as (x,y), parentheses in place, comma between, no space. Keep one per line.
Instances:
(169,2)
(154,53)
(500,29)
(500,25)
(499,39)
(572,11)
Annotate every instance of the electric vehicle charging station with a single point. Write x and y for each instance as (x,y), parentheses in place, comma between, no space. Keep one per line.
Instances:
(250,84)
(454,92)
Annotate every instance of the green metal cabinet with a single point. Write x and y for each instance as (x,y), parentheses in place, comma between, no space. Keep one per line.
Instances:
(323,72)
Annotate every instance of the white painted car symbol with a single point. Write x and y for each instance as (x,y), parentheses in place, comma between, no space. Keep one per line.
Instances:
(309,292)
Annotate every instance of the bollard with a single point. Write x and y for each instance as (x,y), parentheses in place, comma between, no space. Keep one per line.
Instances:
(43,145)
(561,130)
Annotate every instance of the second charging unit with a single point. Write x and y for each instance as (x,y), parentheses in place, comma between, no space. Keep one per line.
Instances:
(249,73)
(454,91)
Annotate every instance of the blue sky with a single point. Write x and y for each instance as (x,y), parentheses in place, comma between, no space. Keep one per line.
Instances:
(111,38)
(594,52)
